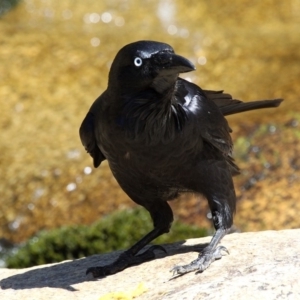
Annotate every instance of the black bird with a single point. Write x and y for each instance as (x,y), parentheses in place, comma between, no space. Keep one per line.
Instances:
(163,136)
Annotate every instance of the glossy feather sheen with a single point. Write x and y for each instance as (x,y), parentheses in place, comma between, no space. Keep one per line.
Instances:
(163,135)
(142,131)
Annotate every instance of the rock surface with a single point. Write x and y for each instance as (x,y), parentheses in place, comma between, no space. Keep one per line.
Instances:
(261,265)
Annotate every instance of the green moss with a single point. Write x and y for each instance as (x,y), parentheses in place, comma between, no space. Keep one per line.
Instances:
(117,231)
(241,148)
(6,5)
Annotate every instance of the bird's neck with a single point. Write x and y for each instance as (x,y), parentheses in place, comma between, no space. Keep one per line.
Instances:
(150,116)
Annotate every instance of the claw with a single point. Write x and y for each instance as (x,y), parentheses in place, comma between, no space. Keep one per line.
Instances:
(88,271)
(149,253)
(201,263)
(125,260)
(96,271)
(157,247)
(177,271)
(222,248)
(217,254)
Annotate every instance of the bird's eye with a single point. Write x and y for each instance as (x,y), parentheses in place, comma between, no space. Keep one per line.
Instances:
(138,61)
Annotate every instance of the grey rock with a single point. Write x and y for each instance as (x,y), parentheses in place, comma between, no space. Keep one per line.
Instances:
(261,265)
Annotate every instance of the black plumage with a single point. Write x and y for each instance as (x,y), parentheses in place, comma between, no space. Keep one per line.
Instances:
(163,136)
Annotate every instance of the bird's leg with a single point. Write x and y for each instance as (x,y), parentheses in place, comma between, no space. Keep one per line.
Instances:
(129,257)
(208,255)
(221,197)
(162,218)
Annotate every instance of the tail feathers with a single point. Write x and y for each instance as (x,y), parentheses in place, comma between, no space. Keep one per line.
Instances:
(235,108)
(229,106)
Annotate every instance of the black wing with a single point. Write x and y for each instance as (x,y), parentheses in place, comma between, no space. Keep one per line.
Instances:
(87,136)
(213,127)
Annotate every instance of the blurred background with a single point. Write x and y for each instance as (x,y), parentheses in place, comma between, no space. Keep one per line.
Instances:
(54,61)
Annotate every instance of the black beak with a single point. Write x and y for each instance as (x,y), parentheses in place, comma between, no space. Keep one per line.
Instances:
(168,65)
(169,62)
(181,64)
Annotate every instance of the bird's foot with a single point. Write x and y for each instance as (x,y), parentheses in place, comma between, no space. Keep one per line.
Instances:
(126,259)
(205,258)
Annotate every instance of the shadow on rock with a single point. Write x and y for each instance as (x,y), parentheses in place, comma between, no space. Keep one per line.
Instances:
(64,275)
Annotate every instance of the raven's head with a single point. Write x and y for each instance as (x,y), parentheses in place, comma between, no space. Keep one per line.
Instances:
(147,64)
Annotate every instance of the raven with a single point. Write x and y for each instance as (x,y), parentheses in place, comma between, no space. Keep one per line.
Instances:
(163,136)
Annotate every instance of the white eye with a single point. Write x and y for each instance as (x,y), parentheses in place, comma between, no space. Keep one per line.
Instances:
(138,61)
